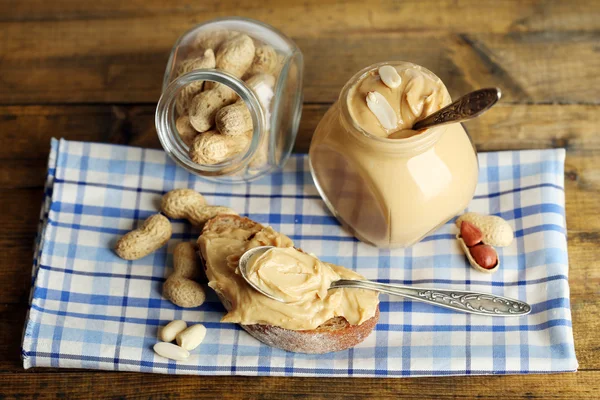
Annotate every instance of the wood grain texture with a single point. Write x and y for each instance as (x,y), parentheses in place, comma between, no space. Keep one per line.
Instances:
(506,127)
(68,61)
(316,17)
(92,71)
(110,385)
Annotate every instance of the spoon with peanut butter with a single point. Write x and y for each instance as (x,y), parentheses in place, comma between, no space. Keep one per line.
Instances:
(288,275)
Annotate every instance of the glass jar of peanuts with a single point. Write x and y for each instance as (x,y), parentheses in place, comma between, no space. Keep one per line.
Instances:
(231,100)
(388,184)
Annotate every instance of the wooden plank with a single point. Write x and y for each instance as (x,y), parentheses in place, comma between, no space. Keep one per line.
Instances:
(535,67)
(528,67)
(105,385)
(584,281)
(65,51)
(72,63)
(29,129)
(23,173)
(19,220)
(12,321)
(316,17)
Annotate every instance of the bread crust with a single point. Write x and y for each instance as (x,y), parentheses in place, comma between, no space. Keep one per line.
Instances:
(336,334)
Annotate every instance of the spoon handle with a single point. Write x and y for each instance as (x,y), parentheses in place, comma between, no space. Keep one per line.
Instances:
(469,106)
(458,300)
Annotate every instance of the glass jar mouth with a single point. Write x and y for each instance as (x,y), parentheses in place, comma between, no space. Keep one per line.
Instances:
(416,142)
(169,135)
(259,30)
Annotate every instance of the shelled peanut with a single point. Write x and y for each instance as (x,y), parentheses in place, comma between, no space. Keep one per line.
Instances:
(478,236)
(212,121)
(188,338)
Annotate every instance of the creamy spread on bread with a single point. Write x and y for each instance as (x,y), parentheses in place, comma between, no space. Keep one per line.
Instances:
(291,275)
(309,277)
(418,94)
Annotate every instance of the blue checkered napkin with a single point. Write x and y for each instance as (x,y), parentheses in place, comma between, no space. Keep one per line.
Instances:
(90,309)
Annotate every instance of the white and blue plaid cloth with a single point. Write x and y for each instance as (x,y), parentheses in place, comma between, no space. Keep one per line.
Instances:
(91,309)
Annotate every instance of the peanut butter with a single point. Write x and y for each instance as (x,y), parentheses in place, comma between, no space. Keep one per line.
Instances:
(291,275)
(392,187)
(309,277)
(419,94)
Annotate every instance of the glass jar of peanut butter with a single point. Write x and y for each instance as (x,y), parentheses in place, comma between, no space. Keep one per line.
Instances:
(231,100)
(386,183)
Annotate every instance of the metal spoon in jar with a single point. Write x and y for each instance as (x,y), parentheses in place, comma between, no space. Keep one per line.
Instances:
(458,300)
(469,106)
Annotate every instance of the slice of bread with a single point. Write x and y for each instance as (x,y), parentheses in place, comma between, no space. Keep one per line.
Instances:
(336,334)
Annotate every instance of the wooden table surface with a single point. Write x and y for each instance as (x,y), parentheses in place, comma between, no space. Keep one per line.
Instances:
(92,70)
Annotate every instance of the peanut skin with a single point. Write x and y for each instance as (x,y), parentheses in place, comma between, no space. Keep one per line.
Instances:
(496,231)
(234,119)
(484,255)
(213,148)
(184,99)
(204,106)
(154,233)
(179,288)
(470,234)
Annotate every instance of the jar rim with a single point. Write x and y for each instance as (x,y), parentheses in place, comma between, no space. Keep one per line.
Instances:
(235,22)
(169,136)
(414,143)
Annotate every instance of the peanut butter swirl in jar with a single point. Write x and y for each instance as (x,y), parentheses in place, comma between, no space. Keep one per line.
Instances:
(385,182)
